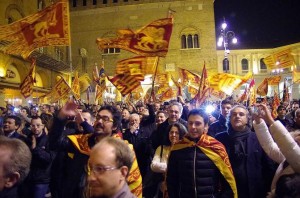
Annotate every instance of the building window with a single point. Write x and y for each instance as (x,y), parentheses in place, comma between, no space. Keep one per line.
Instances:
(111,51)
(245,65)
(94,2)
(262,66)
(115,1)
(189,41)
(225,65)
(104,1)
(84,2)
(125,0)
(74,3)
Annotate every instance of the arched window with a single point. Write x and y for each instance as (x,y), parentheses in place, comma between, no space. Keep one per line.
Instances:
(262,66)
(245,65)
(190,41)
(183,42)
(225,65)
(196,41)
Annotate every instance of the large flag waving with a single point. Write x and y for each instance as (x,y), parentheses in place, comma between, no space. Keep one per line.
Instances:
(151,40)
(49,26)
(26,86)
(276,103)
(125,83)
(279,60)
(296,76)
(274,80)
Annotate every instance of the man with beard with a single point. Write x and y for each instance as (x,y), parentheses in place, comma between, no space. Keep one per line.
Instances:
(108,121)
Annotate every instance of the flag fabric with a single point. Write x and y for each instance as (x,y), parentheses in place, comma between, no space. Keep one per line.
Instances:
(296,77)
(204,89)
(227,83)
(75,87)
(135,66)
(162,79)
(285,95)
(98,92)
(125,83)
(178,86)
(189,78)
(244,96)
(151,40)
(47,27)
(262,89)
(252,93)
(279,60)
(96,76)
(276,103)
(84,82)
(274,80)
(168,94)
(27,84)
(60,90)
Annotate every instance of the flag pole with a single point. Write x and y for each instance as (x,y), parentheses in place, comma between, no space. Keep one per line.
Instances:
(154,77)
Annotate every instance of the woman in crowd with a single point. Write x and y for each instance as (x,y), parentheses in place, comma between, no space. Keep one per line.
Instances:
(159,162)
(279,144)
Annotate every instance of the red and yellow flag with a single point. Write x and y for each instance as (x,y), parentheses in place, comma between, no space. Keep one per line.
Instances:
(227,82)
(27,84)
(135,66)
(296,77)
(204,88)
(151,40)
(285,95)
(60,90)
(262,89)
(47,27)
(276,103)
(125,83)
(279,60)
(75,87)
(274,80)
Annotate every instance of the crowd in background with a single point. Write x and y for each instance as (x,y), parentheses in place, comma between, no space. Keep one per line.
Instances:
(174,144)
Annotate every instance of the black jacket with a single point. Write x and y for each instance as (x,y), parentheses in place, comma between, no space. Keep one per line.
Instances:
(192,174)
(217,127)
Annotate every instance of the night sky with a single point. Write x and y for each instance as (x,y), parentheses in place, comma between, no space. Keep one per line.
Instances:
(260,23)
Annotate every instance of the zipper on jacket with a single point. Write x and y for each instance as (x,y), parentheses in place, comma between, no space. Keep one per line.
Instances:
(195,186)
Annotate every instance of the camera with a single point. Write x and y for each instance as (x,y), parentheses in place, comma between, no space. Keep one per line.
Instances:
(254,110)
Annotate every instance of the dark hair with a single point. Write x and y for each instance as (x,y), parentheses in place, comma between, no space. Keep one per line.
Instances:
(26,109)
(162,111)
(288,186)
(117,116)
(181,129)
(201,113)
(17,119)
(280,107)
(227,101)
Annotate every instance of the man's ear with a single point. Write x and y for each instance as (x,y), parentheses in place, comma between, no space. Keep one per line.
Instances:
(124,171)
(12,179)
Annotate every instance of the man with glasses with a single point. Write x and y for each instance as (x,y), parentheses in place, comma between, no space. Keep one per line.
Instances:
(108,168)
(37,182)
(107,124)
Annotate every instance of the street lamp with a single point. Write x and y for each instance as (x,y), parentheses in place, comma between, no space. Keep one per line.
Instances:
(225,37)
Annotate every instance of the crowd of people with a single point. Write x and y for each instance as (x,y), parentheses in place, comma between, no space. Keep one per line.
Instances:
(150,149)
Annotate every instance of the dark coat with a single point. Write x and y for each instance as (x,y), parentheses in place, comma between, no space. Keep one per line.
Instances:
(217,127)
(253,170)
(192,174)
(142,146)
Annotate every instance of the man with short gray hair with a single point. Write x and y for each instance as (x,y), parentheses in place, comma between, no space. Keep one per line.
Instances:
(15,159)
(161,135)
(108,167)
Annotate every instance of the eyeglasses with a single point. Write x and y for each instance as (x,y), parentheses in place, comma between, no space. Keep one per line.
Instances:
(37,126)
(97,170)
(104,118)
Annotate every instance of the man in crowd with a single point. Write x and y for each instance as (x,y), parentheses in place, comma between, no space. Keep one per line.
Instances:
(198,165)
(220,124)
(160,136)
(108,122)
(252,169)
(281,113)
(15,158)
(108,168)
